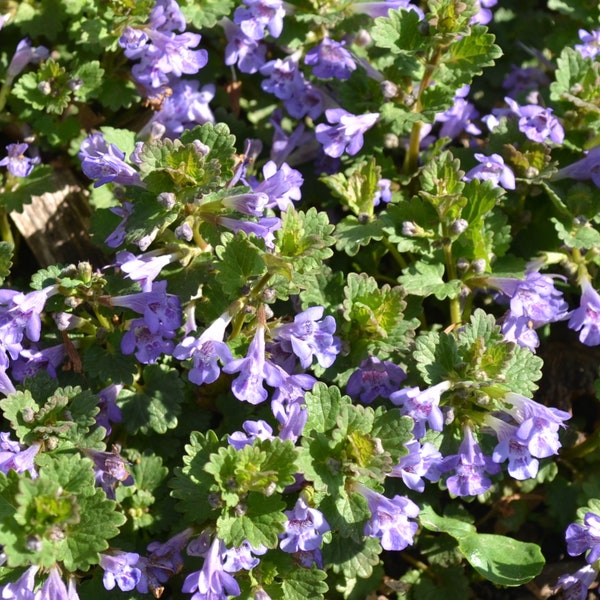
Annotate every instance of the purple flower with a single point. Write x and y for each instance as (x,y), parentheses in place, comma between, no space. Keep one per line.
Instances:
(575,586)
(281,185)
(253,371)
(165,561)
(284,77)
(54,588)
(383,192)
(107,403)
(110,470)
(330,59)
(167,16)
(32,360)
(117,237)
(264,228)
(537,123)
(346,132)
(175,55)
(492,168)
(304,529)
(236,559)
(24,55)
(205,351)
(422,406)
(483,15)
(581,538)
(298,143)
(133,42)
(13,456)
(258,15)
(144,268)
(148,346)
(586,318)
(16,162)
(458,118)
(586,168)
(309,337)
(381,9)
(23,588)
(470,467)
(374,379)
(534,302)
(390,519)
(254,430)
(538,425)
(247,53)
(188,105)
(212,581)
(521,465)
(591,43)
(421,461)
(105,163)
(522,79)
(120,570)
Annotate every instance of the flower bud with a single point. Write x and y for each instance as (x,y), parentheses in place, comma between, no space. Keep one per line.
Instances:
(478,265)
(409,229)
(389,89)
(45,88)
(459,226)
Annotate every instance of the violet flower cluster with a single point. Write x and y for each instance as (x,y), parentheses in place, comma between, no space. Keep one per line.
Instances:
(16,162)
(164,56)
(534,302)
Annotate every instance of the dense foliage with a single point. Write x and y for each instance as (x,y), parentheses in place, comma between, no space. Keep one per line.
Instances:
(334,333)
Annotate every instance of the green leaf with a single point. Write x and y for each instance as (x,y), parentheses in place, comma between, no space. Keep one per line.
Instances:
(192,485)
(352,234)
(90,75)
(266,466)
(258,520)
(304,240)
(450,525)
(324,405)
(47,89)
(358,188)
(155,406)
(393,431)
(240,261)
(109,364)
(346,513)
(498,558)
(40,181)
(353,558)
(206,14)
(374,317)
(424,279)
(300,584)
(442,186)
(436,355)
(6,255)
(99,522)
(522,371)
(502,560)
(401,34)
(467,56)
(577,82)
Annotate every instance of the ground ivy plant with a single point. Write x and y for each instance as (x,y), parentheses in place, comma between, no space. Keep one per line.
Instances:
(337,335)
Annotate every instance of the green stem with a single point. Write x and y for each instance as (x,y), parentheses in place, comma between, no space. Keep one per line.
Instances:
(411,160)
(4,91)
(394,252)
(237,307)
(5,229)
(455,313)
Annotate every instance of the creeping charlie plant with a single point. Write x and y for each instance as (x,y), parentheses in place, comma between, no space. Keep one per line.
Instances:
(299,300)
